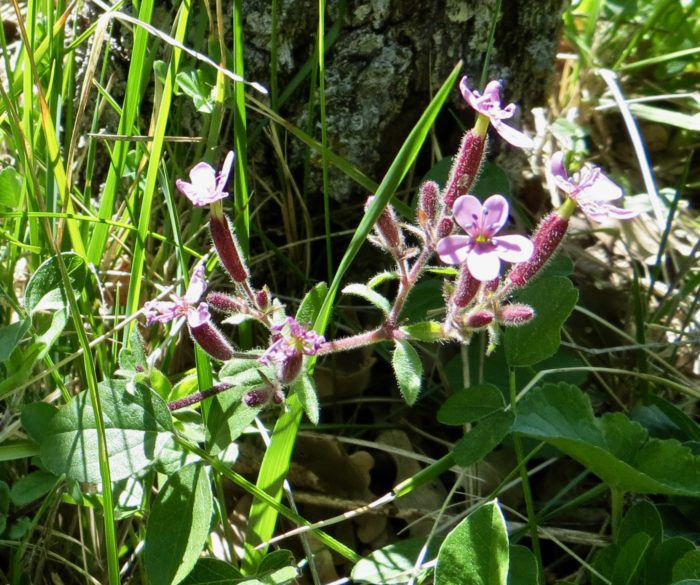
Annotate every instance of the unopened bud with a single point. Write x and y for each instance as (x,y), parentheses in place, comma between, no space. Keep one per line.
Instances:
(466,288)
(387,227)
(258,396)
(445,227)
(226,303)
(428,200)
(227,248)
(545,240)
(491,286)
(479,319)
(465,167)
(515,314)
(206,334)
(290,368)
(262,298)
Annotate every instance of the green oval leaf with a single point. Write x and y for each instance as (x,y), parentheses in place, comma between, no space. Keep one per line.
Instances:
(425,331)
(210,571)
(393,563)
(408,369)
(471,404)
(476,551)
(44,289)
(178,526)
(553,299)
(616,449)
(305,389)
(483,438)
(370,295)
(137,425)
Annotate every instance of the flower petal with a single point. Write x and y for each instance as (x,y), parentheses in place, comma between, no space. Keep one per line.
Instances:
(511,135)
(197,285)
(595,186)
(203,178)
(600,212)
(467,212)
(191,192)
(472,98)
(494,215)
(514,248)
(556,166)
(161,311)
(222,179)
(454,249)
(484,266)
(199,316)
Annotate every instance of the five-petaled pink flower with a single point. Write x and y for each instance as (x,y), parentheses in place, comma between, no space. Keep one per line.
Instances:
(185,306)
(489,105)
(481,250)
(590,189)
(206,186)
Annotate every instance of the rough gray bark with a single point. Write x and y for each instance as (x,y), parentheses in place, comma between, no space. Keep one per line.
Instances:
(393,54)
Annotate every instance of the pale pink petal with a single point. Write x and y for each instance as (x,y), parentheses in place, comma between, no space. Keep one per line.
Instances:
(203,178)
(472,98)
(492,93)
(514,248)
(484,266)
(199,316)
(197,285)
(467,212)
(511,135)
(222,179)
(602,211)
(494,215)
(453,249)
(556,166)
(597,187)
(161,311)
(190,192)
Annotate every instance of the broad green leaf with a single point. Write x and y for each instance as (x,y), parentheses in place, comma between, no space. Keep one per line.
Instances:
(311,304)
(10,336)
(553,299)
(36,418)
(393,563)
(208,571)
(424,331)
(10,187)
(678,417)
(425,298)
(408,369)
(476,551)
(133,357)
(522,569)
(613,447)
(32,487)
(44,292)
(381,278)
(687,567)
(178,526)
(305,389)
(191,82)
(228,415)
(471,404)
(664,557)
(137,425)
(631,559)
(483,438)
(642,517)
(371,296)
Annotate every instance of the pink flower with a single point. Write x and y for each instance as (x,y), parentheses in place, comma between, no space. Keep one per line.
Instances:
(289,338)
(185,306)
(206,186)
(590,189)
(481,250)
(489,105)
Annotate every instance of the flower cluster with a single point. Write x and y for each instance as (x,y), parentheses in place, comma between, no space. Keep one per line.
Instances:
(478,299)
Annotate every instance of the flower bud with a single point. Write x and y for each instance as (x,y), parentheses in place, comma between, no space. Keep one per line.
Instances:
(259,396)
(262,298)
(465,167)
(516,314)
(479,319)
(290,368)
(226,303)
(428,200)
(466,288)
(387,227)
(491,286)
(205,333)
(545,240)
(445,227)
(227,248)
